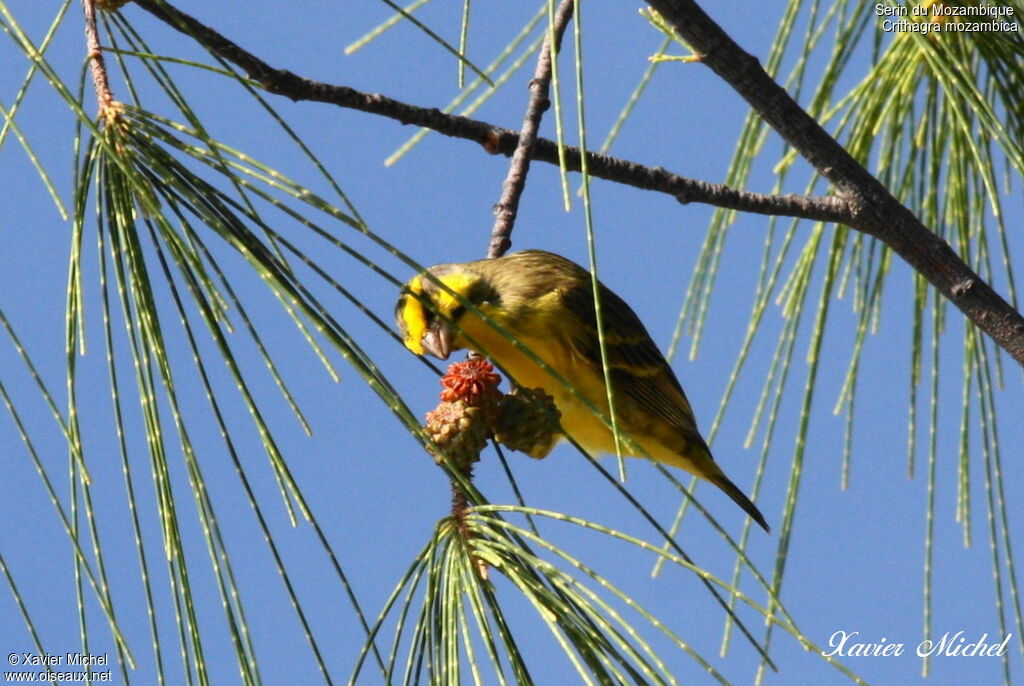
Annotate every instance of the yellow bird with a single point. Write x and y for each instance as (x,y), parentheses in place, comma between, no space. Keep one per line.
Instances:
(546,302)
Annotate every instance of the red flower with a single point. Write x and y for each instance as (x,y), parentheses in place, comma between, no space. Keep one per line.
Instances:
(472,381)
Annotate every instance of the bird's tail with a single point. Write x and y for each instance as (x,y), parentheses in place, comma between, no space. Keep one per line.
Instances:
(739,497)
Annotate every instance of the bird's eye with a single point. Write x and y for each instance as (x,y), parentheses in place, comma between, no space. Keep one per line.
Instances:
(457,312)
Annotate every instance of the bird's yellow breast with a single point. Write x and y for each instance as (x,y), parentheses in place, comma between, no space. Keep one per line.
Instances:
(546,336)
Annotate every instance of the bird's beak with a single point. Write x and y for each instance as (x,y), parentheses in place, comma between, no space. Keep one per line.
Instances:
(438,339)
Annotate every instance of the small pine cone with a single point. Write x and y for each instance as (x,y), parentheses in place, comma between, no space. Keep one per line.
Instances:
(111,5)
(529,422)
(459,431)
(475,382)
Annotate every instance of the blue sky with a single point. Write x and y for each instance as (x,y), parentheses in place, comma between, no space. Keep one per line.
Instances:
(855,561)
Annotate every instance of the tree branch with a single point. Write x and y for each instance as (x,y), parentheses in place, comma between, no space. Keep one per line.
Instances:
(873,209)
(507,207)
(496,139)
(104,98)
(863,203)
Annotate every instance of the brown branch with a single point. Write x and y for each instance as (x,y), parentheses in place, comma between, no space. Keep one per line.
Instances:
(872,208)
(104,97)
(496,139)
(512,189)
(863,204)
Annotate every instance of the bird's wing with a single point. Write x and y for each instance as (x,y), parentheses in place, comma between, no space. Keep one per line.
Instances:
(638,369)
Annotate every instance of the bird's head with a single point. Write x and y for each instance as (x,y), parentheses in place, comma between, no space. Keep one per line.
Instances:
(427,313)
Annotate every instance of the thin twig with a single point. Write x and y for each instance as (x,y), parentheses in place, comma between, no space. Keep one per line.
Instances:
(512,189)
(507,207)
(104,97)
